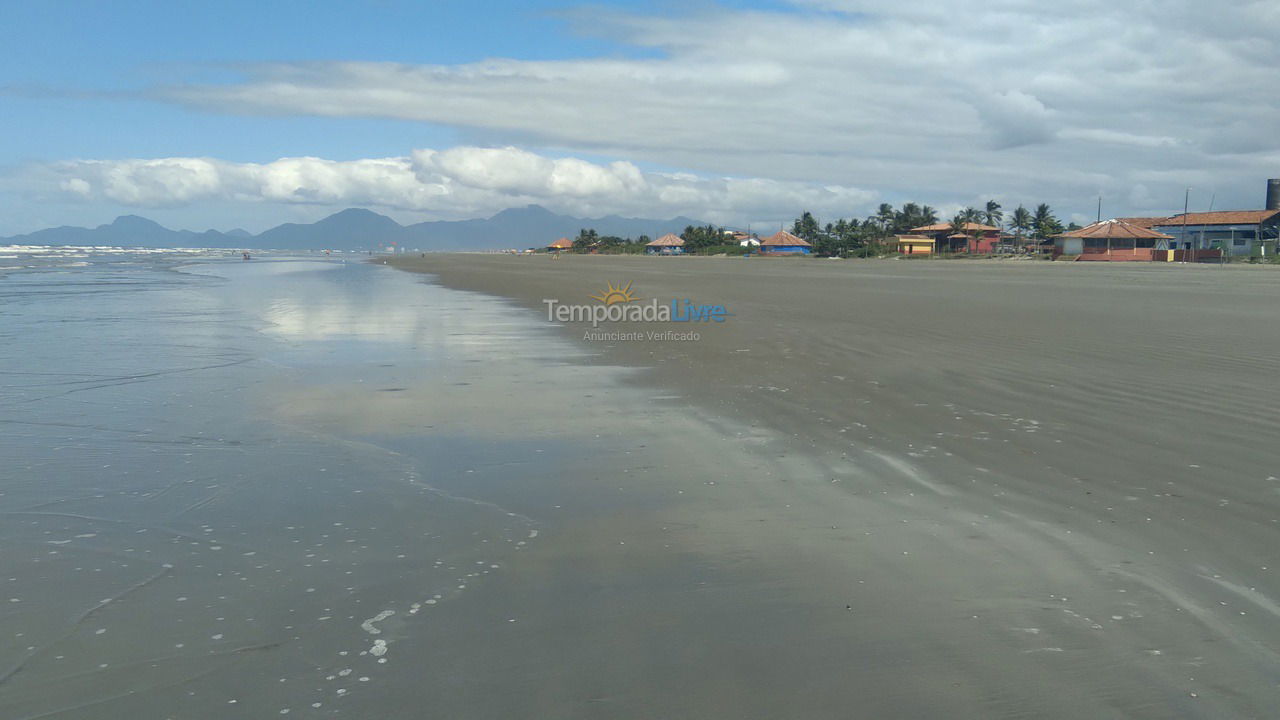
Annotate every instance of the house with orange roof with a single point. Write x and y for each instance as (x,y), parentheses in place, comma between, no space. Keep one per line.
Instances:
(563,243)
(1236,232)
(973,238)
(784,243)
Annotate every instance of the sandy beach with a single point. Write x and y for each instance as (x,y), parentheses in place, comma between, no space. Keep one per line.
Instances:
(329,488)
(909,489)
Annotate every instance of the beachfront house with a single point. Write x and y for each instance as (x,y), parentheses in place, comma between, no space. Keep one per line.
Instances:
(1112,241)
(669,244)
(974,237)
(784,243)
(561,244)
(1235,232)
(915,245)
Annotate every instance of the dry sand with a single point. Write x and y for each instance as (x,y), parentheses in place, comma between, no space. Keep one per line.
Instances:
(946,489)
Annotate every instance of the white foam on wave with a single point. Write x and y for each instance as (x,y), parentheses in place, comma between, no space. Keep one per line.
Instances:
(13,250)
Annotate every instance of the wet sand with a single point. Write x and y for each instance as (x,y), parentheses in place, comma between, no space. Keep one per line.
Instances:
(897,489)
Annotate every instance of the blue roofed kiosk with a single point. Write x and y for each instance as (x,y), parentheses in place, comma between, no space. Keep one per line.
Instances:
(784,243)
(669,244)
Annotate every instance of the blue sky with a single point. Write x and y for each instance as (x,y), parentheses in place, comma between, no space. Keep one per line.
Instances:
(110,54)
(80,70)
(734,110)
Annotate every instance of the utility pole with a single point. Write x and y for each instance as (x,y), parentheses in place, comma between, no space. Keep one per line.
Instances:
(1099,208)
(1186,203)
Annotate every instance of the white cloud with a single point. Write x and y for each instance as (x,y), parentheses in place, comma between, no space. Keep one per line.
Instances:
(170,182)
(1013,98)
(514,171)
(1014,119)
(454,183)
(76,186)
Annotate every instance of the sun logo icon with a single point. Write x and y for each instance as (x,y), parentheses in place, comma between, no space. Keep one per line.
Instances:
(614,295)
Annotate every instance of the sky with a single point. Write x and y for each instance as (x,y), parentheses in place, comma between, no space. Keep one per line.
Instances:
(249,114)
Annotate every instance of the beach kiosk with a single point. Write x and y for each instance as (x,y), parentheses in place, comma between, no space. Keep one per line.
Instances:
(915,245)
(669,244)
(784,243)
(560,245)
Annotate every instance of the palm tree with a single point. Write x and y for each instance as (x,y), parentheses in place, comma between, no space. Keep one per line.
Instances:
(957,227)
(884,216)
(1044,223)
(805,227)
(928,216)
(993,213)
(1020,222)
(907,218)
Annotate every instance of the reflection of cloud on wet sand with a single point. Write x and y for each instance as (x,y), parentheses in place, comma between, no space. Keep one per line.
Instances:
(298,319)
(326,302)
(403,357)
(390,320)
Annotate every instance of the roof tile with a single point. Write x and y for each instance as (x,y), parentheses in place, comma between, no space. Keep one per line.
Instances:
(1115,229)
(782,238)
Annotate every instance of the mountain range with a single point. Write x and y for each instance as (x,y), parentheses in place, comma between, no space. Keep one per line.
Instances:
(360,229)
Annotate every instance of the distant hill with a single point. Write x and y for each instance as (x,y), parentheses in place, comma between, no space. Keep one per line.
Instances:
(359,229)
(350,229)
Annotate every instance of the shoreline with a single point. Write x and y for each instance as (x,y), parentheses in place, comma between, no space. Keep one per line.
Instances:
(1003,420)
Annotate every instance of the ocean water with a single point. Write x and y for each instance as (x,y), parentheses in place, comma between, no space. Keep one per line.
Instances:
(241,489)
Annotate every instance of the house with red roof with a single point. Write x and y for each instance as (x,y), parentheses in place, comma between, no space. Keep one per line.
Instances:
(1112,241)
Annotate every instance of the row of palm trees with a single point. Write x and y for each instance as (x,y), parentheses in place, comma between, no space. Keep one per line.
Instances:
(1039,224)
(847,236)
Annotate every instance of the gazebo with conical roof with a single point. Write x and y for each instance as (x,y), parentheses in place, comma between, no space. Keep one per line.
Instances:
(669,244)
(784,243)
